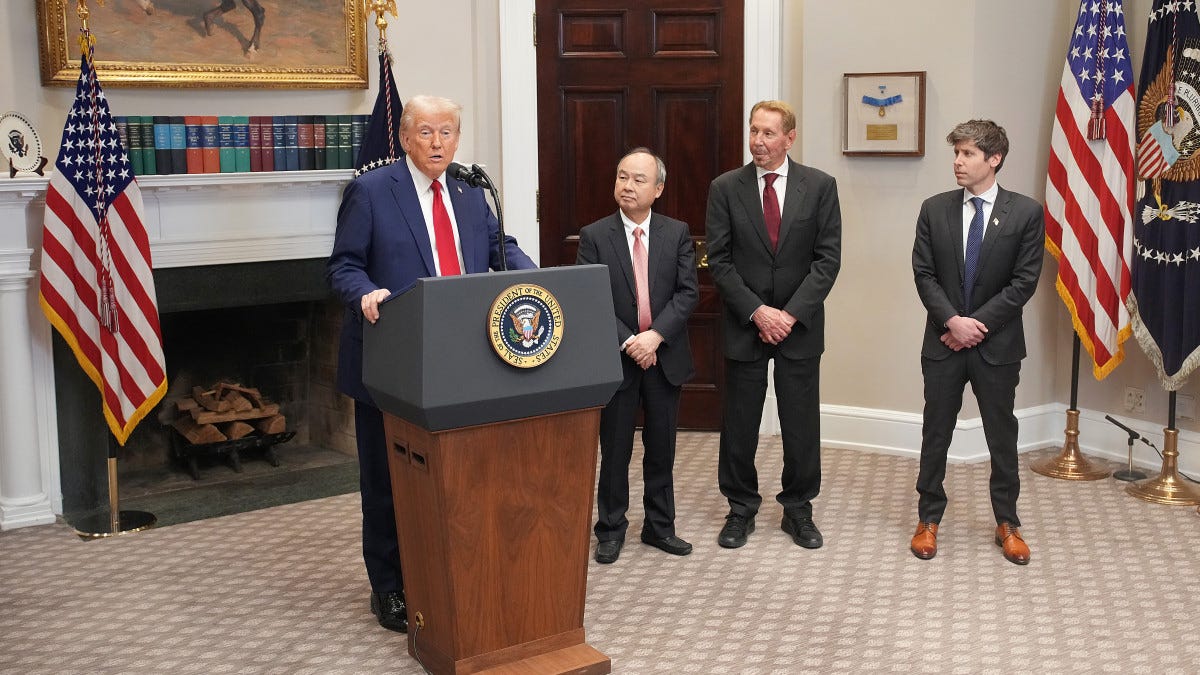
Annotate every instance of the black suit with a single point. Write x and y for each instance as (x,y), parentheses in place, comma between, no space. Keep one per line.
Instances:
(1010,263)
(671,264)
(796,276)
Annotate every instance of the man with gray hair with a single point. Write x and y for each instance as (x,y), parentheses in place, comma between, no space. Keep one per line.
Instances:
(400,222)
(652,269)
(976,261)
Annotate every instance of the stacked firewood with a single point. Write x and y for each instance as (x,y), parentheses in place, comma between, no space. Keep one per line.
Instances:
(227,411)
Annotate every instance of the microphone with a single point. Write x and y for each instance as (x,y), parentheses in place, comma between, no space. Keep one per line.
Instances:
(473,176)
(1133,435)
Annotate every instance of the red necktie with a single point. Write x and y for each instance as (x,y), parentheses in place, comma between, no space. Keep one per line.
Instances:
(771,215)
(641,276)
(444,233)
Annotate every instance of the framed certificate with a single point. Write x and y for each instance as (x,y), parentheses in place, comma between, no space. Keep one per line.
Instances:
(883,114)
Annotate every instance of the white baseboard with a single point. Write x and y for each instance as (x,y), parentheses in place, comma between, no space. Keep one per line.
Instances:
(899,433)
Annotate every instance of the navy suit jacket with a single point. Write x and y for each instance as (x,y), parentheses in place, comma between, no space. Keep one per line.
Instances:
(796,276)
(382,242)
(673,287)
(1010,262)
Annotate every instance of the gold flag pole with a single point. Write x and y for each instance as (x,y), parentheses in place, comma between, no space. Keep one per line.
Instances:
(1168,487)
(118,521)
(1070,464)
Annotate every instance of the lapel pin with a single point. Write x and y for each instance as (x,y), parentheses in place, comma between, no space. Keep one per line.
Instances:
(460,189)
(995,221)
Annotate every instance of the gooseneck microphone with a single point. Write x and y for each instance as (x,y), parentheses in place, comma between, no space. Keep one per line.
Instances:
(475,176)
(1133,435)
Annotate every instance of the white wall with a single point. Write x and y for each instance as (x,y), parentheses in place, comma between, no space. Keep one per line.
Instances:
(996,59)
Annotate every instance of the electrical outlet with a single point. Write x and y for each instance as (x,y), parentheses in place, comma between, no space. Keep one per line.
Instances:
(1185,407)
(1135,400)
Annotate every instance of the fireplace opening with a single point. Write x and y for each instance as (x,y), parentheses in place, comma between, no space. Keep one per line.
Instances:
(269,329)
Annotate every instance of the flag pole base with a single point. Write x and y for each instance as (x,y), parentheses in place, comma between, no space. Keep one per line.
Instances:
(102,526)
(1070,464)
(1169,487)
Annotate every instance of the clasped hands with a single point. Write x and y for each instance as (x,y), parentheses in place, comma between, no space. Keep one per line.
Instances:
(964,332)
(643,348)
(774,325)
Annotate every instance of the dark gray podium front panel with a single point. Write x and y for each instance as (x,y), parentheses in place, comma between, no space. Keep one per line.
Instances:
(429,360)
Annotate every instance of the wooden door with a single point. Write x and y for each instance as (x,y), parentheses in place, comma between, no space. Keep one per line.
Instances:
(666,74)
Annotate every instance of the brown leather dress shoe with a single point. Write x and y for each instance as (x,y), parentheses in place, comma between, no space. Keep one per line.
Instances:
(1008,537)
(924,542)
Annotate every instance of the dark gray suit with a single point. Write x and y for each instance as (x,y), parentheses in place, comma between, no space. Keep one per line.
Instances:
(673,295)
(796,277)
(1010,263)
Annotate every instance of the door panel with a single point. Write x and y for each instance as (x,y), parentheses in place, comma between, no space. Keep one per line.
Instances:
(666,74)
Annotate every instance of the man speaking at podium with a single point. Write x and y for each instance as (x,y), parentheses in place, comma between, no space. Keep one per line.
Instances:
(652,268)
(398,223)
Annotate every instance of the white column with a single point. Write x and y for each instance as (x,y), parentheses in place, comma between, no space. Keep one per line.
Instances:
(24,499)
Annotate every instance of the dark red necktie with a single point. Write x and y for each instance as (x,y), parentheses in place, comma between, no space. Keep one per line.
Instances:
(771,215)
(443,231)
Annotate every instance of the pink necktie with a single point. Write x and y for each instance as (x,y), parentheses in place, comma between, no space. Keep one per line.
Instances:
(642,277)
(771,215)
(444,233)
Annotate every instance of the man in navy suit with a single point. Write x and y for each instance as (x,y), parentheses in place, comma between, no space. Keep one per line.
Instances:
(774,247)
(651,313)
(976,260)
(396,224)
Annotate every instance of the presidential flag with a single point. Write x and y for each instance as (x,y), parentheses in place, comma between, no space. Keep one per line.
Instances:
(1090,183)
(1165,267)
(381,142)
(96,284)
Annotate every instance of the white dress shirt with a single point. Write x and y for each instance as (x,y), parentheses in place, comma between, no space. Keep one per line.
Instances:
(424,188)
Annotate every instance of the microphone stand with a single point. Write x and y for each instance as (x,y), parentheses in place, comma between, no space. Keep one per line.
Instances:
(491,186)
(1130,474)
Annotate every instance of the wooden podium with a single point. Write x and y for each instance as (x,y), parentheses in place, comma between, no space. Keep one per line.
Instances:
(493,470)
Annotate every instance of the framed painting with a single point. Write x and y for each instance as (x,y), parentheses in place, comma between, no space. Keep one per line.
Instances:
(273,44)
(883,114)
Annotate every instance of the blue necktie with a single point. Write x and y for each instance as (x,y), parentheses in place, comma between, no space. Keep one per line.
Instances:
(974,242)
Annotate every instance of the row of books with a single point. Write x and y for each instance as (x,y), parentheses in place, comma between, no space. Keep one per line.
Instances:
(224,144)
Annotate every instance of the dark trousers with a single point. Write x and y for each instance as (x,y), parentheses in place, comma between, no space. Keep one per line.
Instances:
(658,400)
(381,546)
(995,388)
(797,388)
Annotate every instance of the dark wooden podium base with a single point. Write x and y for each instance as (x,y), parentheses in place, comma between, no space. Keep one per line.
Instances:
(494,526)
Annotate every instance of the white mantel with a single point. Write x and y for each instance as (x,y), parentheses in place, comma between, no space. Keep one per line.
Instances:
(191,220)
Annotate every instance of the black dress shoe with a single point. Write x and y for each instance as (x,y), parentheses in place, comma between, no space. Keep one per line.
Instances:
(672,544)
(390,609)
(804,532)
(607,552)
(737,529)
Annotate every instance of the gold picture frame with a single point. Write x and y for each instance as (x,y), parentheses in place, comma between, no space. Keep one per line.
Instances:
(883,114)
(196,43)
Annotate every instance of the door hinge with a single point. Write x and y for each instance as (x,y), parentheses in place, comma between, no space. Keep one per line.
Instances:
(537,206)
(535,30)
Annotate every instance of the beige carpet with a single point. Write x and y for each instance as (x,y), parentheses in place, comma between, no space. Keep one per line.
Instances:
(1113,587)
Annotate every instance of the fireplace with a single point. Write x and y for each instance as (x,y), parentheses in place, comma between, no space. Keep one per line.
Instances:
(236,241)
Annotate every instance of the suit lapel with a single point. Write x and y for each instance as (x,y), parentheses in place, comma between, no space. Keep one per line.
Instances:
(405,194)
(466,236)
(994,226)
(797,192)
(747,192)
(954,222)
(661,252)
(620,251)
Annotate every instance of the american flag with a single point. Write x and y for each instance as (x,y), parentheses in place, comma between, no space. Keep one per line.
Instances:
(97,288)
(1090,182)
